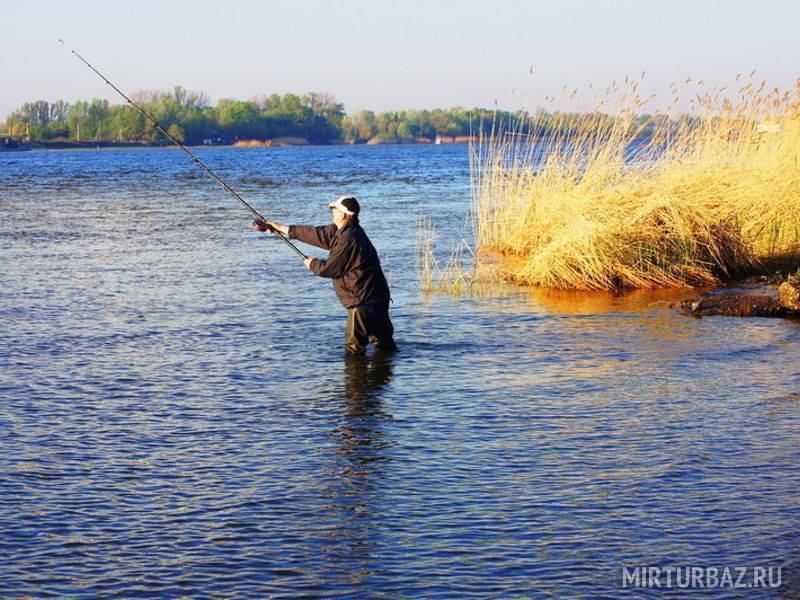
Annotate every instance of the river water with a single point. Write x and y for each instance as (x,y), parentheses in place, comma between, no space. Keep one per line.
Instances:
(177,416)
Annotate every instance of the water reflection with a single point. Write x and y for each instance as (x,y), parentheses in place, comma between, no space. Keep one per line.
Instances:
(356,490)
(360,437)
(364,378)
(571,302)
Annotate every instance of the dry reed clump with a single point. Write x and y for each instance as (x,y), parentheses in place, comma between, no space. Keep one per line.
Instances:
(610,200)
(454,276)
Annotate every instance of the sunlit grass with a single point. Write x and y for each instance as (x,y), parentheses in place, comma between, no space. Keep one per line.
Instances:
(609,200)
(454,276)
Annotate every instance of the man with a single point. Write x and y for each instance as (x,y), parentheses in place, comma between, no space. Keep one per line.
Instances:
(355,269)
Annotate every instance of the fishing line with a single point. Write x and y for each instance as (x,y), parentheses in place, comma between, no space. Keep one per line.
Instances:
(194,159)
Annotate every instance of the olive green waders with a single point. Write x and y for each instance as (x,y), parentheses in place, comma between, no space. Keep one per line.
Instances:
(364,326)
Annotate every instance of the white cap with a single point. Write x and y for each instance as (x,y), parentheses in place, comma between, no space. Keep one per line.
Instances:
(347,204)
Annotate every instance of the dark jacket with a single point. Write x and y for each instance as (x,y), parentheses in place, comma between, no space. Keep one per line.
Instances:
(352,264)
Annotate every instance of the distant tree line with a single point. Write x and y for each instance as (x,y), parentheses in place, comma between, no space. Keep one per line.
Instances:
(191,118)
(316,117)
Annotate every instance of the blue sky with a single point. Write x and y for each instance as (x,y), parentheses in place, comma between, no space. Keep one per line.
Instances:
(389,55)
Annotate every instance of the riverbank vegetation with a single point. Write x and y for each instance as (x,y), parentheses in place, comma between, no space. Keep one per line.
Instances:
(709,196)
(190,117)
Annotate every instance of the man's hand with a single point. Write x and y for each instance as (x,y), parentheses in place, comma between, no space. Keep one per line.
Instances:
(307,262)
(270,227)
(264,226)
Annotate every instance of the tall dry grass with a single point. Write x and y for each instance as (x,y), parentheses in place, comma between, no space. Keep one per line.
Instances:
(609,200)
(454,276)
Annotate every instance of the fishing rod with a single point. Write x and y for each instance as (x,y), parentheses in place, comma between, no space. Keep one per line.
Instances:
(196,160)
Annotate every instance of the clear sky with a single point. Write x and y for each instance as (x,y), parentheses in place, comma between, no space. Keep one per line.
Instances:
(389,55)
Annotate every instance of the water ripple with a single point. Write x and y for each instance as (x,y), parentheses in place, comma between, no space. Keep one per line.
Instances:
(178,419)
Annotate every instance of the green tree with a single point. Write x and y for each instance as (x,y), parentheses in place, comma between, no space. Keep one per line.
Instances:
(404,132)
(176,131)
(237,119)
(59,110)
(127,124)
(77,120)
(36,113)
(361,126)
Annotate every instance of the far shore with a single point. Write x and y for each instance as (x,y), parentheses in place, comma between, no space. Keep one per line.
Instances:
(276,143)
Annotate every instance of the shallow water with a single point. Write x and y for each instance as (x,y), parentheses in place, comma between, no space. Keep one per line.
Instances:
(178,416)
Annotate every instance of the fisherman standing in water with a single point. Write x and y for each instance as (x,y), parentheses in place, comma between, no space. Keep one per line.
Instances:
(355,269)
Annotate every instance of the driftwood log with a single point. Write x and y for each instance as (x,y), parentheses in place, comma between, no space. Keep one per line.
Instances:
(733,306)
(787,304)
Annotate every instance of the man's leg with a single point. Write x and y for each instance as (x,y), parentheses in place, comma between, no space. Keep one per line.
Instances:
(355,332)
(382,334)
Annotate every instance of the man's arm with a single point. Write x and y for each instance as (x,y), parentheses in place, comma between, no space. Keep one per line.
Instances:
(321,237)
(338,261)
